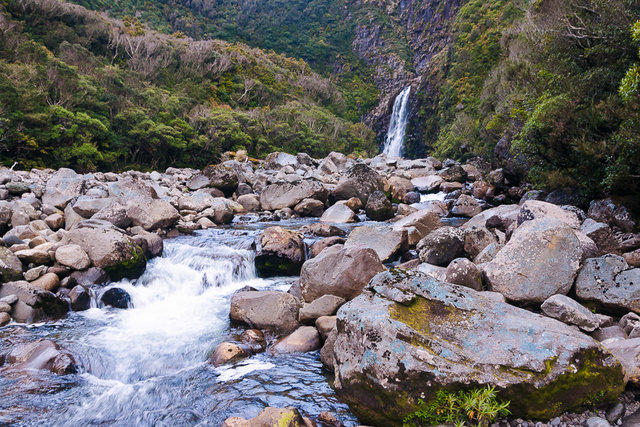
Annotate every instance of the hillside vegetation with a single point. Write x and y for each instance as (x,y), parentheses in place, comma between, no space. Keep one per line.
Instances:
(83,90)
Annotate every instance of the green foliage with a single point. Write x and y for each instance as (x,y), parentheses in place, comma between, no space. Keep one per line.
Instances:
(474,407)
(631,83)
(82,91)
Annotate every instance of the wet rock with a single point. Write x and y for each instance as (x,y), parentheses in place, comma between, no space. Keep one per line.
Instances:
(116,298)
(320,245)
(281,253)
(441,246)
(10,266)
(442,336)
(326,305)
(288,195)
(34,304)
(541,259)
(254,340)
(338,271)
(418,224)
(609,283)
(227,352)
(73,256)
(463,272)
(62,186)
(265,310)
(309,207)
(327,419)
(42,354)
(280,417)
(302,340)
(466,206)
(89,277)
(108,248)
(386,242)
(80,298)
(325,324)
(379,207)
(570,312)
(339,213)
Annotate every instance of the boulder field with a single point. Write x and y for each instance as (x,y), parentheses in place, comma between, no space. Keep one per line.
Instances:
(409,276)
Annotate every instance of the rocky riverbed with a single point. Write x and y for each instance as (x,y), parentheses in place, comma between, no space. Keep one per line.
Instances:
(397,277)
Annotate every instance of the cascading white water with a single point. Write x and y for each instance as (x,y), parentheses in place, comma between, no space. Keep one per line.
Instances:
(394,141)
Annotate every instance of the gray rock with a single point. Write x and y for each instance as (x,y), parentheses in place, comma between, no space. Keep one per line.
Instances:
(427,184)
(441,246)
(222,177)
(265,310)
(466,206)
(151,214)
(570,312)
(10,266)
(326,305)
(309,207)
(387,243)
(463,272)
(451,337)
(288,195)
(73,256)
(616,412)
(609,332)
(609,212)
(602,235)
(34,304)
(90,277)
(339,213)
(88,206)
(534,209)
(379,207)
(302,340)
(359,182)
(608,282)
(338,271)
(80,298)
(541,260)
(281,252)
(418,224)
(628,353)
(62,186)
(597,422)
(476,239)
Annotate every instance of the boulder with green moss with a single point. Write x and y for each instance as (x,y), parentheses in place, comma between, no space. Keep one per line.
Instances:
(407,336)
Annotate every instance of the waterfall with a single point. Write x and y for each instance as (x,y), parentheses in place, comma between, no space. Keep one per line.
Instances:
(394,141)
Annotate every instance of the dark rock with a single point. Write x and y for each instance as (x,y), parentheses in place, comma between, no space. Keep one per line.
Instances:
(222,178)
(254,340)
(281,253)
(80,298)
(453,173)
(89,277)
(34,304)
(359,182)
(379,207)
(611,213)
(441,246)
(116,298)
(616,412)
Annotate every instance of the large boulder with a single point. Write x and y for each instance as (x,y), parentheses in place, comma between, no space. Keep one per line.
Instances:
(569,311)
(220,177)
(359,182)
(627,351)
(63,186)
(34,303)
(541,259)
(441,246)
(610,284)
(339,271)
(108,248)
(324,306)
(281,252)
(466,206)
(280,417)
(151,214)
(418,224)
(500,217)
(535,209)
(387,243)
(73,256)
(409,336)
(287,195)
(379,207)
(265,310)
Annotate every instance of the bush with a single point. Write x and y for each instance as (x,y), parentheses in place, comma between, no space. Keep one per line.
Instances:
(474,407)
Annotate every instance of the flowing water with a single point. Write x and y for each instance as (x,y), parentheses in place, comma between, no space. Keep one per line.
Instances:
(148,365)
(394,141)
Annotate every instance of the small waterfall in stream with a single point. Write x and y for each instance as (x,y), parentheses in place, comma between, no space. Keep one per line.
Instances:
(394,141)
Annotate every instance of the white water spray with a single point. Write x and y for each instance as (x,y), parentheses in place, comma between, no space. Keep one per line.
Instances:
(394,141)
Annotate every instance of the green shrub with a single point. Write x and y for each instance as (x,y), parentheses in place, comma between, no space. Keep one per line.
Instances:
(474,407)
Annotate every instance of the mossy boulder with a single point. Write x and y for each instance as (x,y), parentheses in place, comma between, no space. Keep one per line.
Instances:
(407,336)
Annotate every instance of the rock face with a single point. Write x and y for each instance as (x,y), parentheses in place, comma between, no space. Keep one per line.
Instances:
(541,259)
(609,283)
(265,310)
(287,195)
(108,248)
(281,253)
(408,336)
(360,182)
(338,271)
(387,243)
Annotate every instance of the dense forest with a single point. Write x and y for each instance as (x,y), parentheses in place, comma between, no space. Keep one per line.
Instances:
(547,89)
